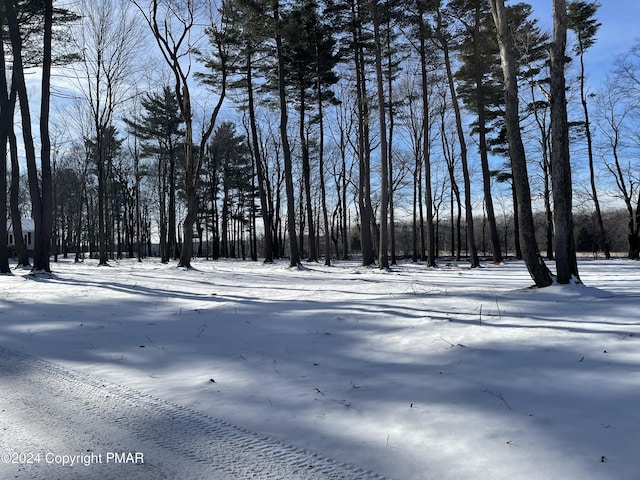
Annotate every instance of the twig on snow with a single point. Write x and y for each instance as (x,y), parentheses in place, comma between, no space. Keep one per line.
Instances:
(201,329)
(499,396)
(151,342)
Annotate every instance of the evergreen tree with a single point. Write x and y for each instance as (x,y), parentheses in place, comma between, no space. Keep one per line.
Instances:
(104,148)
(481,90)
(536,266)
(231,162)
(162,136)
(268,18)
(40,183)
(310,51)
(250,45)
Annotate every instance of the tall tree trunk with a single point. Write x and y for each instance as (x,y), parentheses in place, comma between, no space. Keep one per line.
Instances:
(383,250)
(344,219)
(294,254)
(545,146)
(253,230)
(21,250)
(456,219)
(172,243)
(79,231)
(391,125)
(103,244)
(162,194)
(482,136)
(426,145)
(14,198)
(265,206)
(138,219)
(536,266)
(323,189)
(42,246)
(548,211)
(4,252)
(6,115)
(41,197)
(306,177)
(636,243)
(566,262)
(364,182)
(191,182)
(473,252)
(516,221)
(602,234)
(417,183)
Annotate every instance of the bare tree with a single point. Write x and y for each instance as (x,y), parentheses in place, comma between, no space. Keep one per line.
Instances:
(616,124)
(108,39)
(583,23)
(174,27)
(444,40)
(628,71)
(448,141)
(422,137)
(342,129)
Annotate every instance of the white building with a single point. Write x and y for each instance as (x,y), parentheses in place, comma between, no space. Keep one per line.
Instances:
(28,229)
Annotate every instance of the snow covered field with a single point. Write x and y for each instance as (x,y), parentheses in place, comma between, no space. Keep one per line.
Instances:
(414,373)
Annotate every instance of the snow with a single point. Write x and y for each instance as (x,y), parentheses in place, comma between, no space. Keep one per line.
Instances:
(414,373)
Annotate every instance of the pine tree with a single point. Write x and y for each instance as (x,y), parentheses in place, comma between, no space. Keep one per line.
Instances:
(310,51)
(40,184)
(251,46)
(162,136)
(230,159)
(481,90)
(536,266)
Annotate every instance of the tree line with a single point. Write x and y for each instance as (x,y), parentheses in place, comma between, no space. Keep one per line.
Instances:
(349,119)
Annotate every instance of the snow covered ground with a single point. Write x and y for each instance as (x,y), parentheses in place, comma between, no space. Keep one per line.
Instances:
(413,373)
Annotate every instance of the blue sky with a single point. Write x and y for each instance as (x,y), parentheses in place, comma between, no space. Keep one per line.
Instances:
(619,31)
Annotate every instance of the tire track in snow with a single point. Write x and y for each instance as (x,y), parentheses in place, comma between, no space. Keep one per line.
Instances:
(45,407)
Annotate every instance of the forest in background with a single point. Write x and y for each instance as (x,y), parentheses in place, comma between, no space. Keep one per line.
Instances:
(316,130)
